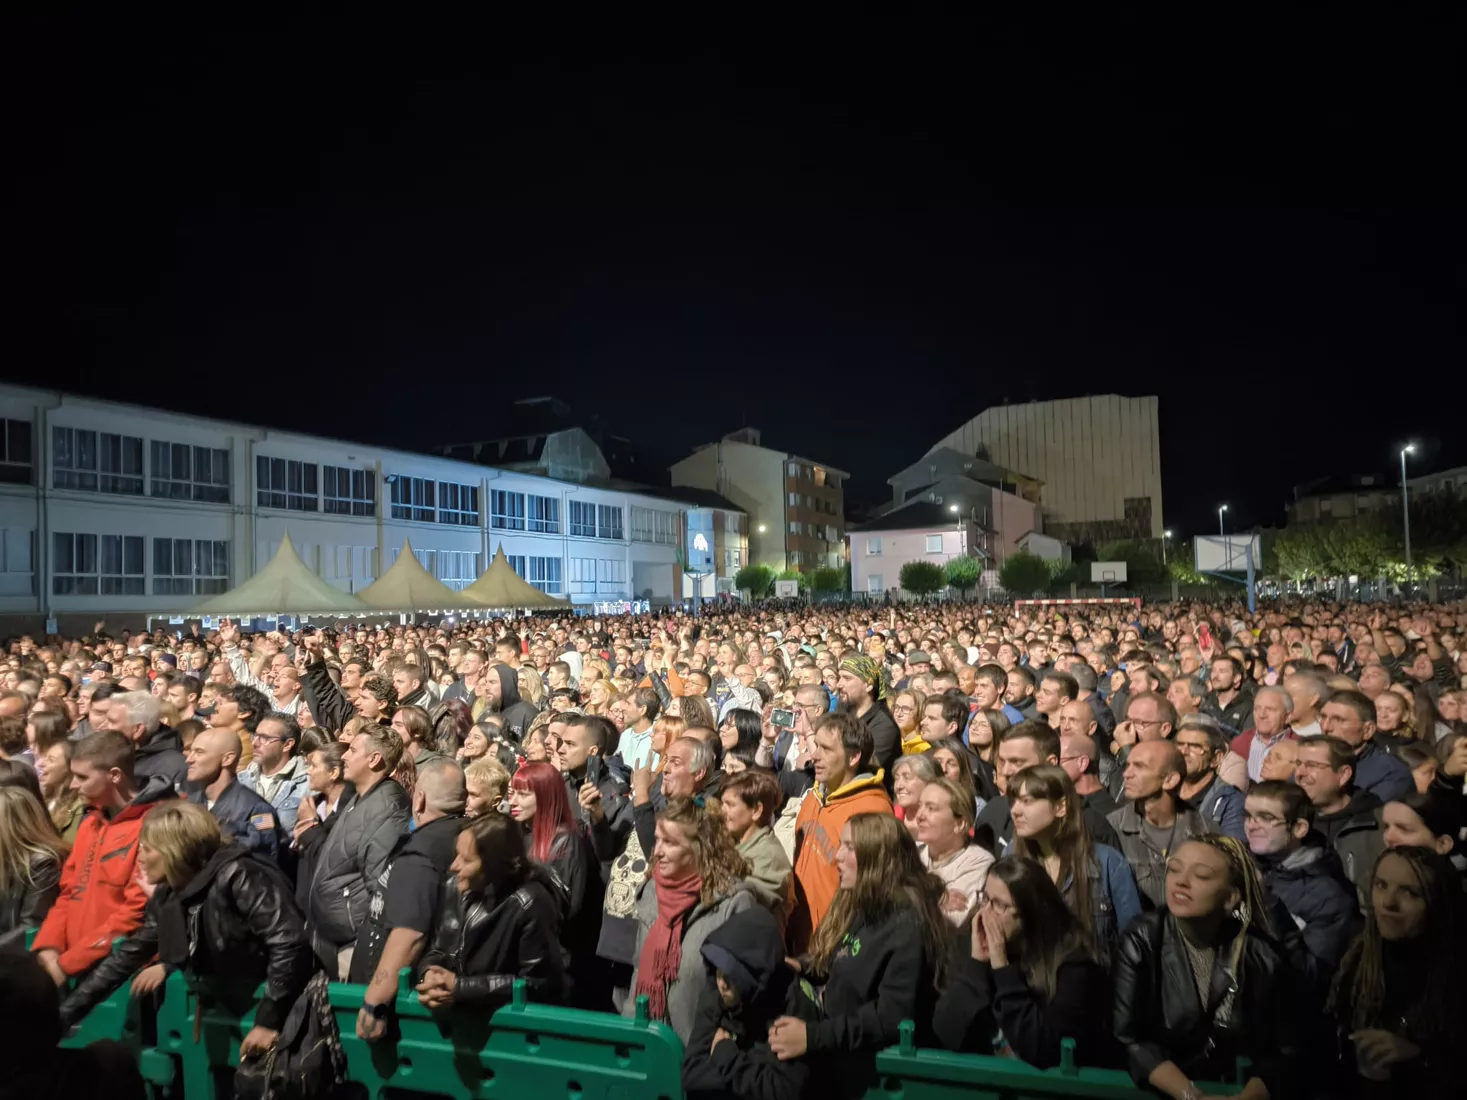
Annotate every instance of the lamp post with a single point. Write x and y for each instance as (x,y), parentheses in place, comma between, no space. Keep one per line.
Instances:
(1165,535)
(1405,509)
(1220,531)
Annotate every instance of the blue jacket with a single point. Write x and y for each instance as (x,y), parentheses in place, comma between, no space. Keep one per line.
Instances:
(1382,774)
(245,816)
(1114,900)
(1222,805)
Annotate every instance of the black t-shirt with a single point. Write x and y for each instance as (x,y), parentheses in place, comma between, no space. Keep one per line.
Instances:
(417,877)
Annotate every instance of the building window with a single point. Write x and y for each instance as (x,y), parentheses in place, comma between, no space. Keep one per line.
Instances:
(583,519)
(412,498)
(348,492)
(793,469)
(543,515)
(934,544)
(545,575)
(873,548)
(641,524)
(286,483)
(517,563)
(506,510)
(652,525)
(733,523)
(794,500)
(457,568)
(582,576)
(74,459)
(73,564)
(122,565)
(190,567)
(16,462)
(874,583)
(608,521)
(91,565)
(181,472)
(17,558)
(611,576)
(459,504)
(122,464)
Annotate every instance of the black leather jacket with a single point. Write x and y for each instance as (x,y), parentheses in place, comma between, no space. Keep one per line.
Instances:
(1159,1017)
(235,921)
(488,943)
(25,904)
(353,854)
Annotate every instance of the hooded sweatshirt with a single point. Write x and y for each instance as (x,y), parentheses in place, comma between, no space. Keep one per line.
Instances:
(748,950)
(818,826)
(100,897)
(514,712)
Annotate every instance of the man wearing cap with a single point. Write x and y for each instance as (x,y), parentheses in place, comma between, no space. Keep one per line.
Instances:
(861,685)
(917,663)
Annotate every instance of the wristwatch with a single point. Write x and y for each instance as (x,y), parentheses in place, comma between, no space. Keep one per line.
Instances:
(377,1012)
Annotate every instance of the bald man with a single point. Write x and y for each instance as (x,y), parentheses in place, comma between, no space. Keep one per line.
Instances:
(1154,823)
(212,761)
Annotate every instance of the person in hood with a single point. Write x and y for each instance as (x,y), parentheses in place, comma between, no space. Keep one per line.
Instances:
(1300,870)
(1347,819)
(847,783)
(501,686)
(100,896)
(217,911)
(158,749)
(749,986)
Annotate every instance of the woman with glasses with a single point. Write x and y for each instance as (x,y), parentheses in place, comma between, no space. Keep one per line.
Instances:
(1024,976)
(906,711)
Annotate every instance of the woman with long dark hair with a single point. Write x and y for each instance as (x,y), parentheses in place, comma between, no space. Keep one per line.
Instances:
(985,731)
(1025,974)
(1397,996)
(1094,879)
(1203,982)
(499,921)
(740,735)
(880,951)
(53,768)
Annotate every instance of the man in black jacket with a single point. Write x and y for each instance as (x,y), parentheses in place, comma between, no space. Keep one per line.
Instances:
(861,685)
(137,716)
(362,836)
(403,910)
(500,685)
(1021,747)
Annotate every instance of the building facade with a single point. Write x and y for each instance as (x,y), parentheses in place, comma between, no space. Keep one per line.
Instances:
(1098,458)
(795,506)
(120,511)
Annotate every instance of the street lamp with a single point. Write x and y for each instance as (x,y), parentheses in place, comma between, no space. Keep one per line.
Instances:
(762,528)
(1220,512)
(1409,448)
(1165,535)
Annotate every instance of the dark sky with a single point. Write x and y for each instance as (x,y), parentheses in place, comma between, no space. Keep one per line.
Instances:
(853,234)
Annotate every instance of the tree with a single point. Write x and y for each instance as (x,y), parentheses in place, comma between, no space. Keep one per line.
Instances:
(921,578)
(1025,574)
(963,573)
(757,580)
(828,579)
(1143,563)
(1062,574)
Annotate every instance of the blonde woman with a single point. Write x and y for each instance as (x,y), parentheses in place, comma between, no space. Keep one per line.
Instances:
(488,786)
(598,698)
(532,686)
(31,856)
(216,912)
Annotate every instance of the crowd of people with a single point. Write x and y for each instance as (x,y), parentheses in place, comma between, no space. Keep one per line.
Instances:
(1189,839)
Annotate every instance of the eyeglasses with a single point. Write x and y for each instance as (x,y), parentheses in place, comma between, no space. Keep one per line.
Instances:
(264,737)
(1190,747)
(1000,907)
(1313,766)
(1268,821)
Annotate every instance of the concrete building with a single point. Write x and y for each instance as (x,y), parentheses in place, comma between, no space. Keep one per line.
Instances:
(998,504)
(119,511)
(1098,459)
(795,506)
(1342,496)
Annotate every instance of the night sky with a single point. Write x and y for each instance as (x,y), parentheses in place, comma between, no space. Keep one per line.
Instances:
(854,235)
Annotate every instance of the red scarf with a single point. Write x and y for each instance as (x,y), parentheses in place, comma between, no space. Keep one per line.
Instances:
(662,953)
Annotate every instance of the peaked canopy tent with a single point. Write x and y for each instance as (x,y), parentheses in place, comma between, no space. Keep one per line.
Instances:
(285,586)
(502,587)
(407,586)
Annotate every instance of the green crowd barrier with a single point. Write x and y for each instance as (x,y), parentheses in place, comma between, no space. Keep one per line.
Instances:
(522,1049)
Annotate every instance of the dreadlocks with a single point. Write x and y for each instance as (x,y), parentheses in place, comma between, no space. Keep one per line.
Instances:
(1252,906)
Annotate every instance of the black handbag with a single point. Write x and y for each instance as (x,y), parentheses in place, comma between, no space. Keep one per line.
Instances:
(307,1062)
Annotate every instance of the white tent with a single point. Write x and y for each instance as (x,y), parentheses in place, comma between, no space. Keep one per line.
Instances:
(501,587)
(407,586)
(286,586)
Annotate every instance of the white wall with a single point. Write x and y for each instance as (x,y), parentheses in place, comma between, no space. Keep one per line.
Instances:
(349,551)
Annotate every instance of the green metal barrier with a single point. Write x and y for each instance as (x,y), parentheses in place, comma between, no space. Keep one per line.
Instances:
(908,1073)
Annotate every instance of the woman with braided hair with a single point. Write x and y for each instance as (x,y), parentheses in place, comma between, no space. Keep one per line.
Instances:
(1203,981)
(1397,996)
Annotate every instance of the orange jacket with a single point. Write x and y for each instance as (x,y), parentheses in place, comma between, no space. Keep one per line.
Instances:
(817,836)
(100,897)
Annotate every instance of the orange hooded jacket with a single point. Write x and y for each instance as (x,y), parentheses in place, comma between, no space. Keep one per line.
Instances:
(817,836)
(100,897)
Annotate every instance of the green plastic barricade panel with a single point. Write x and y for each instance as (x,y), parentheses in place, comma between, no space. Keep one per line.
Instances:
(907,1073)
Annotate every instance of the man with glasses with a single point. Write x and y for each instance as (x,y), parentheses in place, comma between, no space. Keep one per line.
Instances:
(1347,818)
(277,774)
(1203,748)
(1149,717)
(1300,869)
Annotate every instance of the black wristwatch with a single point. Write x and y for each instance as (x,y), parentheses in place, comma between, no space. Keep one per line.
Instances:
(377,1012)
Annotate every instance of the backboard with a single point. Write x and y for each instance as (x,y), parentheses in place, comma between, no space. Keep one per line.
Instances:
(1108,572)
(1226,553)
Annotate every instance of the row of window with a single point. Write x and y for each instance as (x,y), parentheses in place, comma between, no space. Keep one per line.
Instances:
(810,473)
(543,573)
(115,565)
(934,546)
(815,504)
(589,576)
(510,511)
(109,462)
(814,530)
(652,525)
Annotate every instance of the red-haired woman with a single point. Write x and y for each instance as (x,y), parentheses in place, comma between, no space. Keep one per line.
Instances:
(554,839)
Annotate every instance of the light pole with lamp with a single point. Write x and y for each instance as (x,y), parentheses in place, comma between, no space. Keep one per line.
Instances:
(1221,533)
(1405,508)
(1165,535)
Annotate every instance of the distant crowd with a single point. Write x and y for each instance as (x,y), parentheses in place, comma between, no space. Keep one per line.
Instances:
(1188,838)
